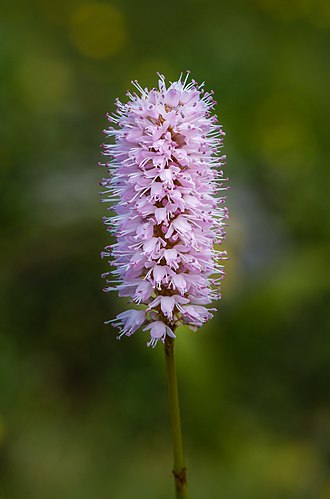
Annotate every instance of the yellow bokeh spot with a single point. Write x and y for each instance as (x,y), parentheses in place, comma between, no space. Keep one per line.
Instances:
(98,30)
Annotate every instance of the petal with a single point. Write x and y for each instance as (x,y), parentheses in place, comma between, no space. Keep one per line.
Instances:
(169,332)
(134,136)
(150,245)
(158,330)
(143,291)
(181,299)
(179,282)
(170,255)
(172,98)
(159,272)
(160,215)
(154,303)
(167,305)
(181,224)
(139,317)
(156,189)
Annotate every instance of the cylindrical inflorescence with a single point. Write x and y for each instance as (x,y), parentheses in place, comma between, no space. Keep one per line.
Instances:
(165,187)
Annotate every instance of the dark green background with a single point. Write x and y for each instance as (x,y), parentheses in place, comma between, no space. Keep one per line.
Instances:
(84,416)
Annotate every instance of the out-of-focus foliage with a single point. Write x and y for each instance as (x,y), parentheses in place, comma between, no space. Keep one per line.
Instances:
(83,416)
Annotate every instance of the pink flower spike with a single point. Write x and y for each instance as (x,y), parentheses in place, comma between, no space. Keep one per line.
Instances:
(164,176)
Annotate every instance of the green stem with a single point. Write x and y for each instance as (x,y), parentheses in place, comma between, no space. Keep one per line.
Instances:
(179,469)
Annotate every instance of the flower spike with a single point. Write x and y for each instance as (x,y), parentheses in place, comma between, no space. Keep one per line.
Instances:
(164,176)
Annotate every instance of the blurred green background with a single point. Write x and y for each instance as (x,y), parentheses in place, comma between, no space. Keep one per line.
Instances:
(84,416)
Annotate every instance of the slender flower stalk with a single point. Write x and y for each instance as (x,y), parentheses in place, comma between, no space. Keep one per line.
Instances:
(179,467)
(165,187)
